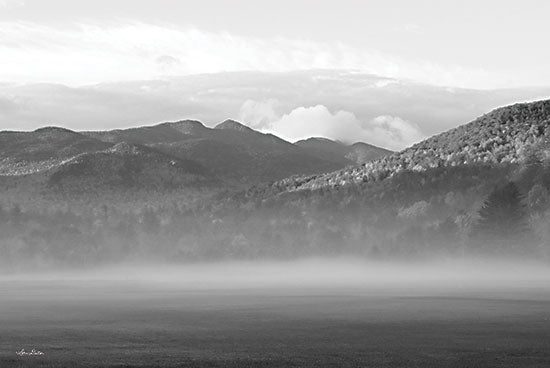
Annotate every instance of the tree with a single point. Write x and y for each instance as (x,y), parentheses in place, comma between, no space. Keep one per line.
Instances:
(538,198)
(532,170)
(503,220)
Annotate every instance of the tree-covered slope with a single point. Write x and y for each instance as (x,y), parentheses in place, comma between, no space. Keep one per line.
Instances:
(126,167)
(503,136)
(458,194)
(232,151)
(30,152)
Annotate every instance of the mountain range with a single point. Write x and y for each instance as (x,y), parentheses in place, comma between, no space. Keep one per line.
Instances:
(182,155)
(181,191)
(424,201)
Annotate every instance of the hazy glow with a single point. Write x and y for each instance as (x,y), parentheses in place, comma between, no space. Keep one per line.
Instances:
(6,4)
(469,43)
(91,53)
(389,73)
(315,273)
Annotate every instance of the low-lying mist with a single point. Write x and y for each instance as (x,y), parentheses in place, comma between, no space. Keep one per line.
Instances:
(314,273)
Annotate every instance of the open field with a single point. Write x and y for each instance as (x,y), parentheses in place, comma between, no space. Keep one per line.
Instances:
(122,323)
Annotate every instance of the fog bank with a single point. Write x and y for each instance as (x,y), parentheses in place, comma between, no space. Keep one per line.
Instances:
(311,273)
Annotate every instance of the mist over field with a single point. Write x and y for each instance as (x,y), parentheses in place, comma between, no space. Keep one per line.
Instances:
(305,313)
(316,273)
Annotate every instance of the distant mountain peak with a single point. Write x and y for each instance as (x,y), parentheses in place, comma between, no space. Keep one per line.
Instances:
(319,139)
(54,130)
(356,153)
(366,145)
(234,125)
(187,126)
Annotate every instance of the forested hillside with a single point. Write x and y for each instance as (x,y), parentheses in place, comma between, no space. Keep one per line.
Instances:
(504,136)
(178,161)
(479,189)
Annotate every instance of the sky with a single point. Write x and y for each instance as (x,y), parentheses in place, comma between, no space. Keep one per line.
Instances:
(462,45)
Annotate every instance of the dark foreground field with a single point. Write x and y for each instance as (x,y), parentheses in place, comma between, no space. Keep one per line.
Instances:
(126,323)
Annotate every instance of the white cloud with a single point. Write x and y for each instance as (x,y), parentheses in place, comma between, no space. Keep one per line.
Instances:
(259,114)
(384,83)
(397,132)
(317,121)
(6,4)
(127,50)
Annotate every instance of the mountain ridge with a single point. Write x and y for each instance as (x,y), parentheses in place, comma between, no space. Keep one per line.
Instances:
(232,154)
(499,136)
(356,153)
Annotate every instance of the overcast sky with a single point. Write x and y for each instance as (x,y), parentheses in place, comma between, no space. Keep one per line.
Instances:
(482,45)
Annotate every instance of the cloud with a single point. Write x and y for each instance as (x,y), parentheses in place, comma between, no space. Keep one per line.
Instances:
(259,114)
(317,121)
(398,133)
(88,53)
(6,4)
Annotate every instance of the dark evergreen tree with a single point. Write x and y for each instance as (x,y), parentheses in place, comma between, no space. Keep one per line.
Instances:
(531,171)
(503,221)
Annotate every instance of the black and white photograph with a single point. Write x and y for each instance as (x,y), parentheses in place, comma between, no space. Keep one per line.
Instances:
(274,183)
